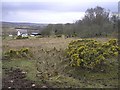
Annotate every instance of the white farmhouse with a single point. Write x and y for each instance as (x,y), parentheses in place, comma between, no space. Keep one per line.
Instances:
(18,33)
(22,32)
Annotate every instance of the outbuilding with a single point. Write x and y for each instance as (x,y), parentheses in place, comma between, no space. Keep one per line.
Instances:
(22,32)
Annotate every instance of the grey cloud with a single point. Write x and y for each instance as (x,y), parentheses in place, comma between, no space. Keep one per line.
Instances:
(58,7)
(13,7)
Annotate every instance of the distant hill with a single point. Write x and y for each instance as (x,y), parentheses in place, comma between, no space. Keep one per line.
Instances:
(16,24)
(10,27)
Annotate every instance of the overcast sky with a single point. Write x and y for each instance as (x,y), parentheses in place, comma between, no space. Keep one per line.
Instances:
(51,11)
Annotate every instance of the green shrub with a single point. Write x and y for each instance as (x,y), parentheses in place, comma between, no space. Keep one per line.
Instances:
(58,35)
(40,36)
(90,53)
(20,37)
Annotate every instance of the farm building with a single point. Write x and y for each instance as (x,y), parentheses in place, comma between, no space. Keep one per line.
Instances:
(27,31)
(35,34)
(22,31)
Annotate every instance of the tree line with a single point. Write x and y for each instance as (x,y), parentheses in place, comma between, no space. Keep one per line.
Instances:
(97,22)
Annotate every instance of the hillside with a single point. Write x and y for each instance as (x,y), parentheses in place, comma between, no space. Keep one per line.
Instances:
(9,27)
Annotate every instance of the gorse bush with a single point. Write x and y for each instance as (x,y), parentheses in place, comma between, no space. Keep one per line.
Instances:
(90,53)
(23,52)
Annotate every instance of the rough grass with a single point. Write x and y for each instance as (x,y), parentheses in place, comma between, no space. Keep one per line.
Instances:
(49,59)
(46,43)
(69,77)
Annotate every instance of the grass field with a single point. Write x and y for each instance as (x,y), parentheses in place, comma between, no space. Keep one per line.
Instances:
(48,59)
